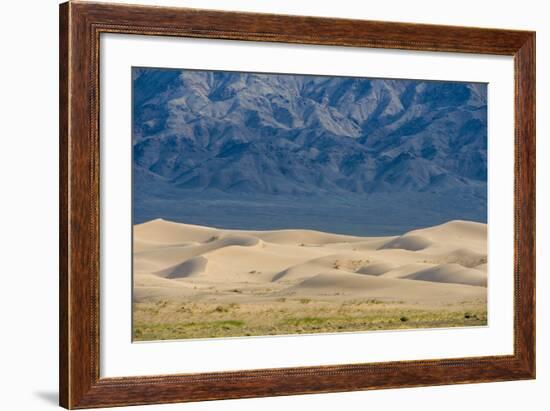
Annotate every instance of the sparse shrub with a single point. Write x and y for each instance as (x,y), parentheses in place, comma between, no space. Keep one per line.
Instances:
(404,319)
(182,309)
(227,324)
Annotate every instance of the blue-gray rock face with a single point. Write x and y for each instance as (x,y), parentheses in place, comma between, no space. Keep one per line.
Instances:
(267,137)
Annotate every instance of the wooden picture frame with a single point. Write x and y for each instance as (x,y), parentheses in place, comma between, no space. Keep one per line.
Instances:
(80,27)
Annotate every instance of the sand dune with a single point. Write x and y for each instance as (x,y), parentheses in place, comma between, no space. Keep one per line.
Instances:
(481,267)
(408,242)
(450,273)
(405,270)
(464,257)
(175,261)
(339,262)
(377,268)
(355,285)
(303,237)
(167,232)
(453,233)
(192,267)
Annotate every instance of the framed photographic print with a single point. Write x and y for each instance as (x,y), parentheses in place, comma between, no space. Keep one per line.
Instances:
(258,205)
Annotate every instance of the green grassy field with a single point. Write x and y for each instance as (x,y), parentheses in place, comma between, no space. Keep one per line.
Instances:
(164,320)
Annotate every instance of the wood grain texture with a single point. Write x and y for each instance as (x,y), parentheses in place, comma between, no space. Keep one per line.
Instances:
(525,203)
(63,205)
(80,27)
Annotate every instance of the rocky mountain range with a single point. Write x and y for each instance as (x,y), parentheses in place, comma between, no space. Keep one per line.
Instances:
(253,134)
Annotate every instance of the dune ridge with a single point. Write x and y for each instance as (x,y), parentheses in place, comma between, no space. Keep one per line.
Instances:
(434,264)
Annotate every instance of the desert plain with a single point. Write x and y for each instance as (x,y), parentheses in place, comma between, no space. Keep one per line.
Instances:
(203,282)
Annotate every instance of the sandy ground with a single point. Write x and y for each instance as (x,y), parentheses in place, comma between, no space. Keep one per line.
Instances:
(185,274)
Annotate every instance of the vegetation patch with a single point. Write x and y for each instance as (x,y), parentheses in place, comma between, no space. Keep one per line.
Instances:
(284,316)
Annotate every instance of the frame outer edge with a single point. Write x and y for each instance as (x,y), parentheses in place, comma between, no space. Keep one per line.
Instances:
(80,384)
(526,207)
(77,218)
(64,350)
